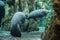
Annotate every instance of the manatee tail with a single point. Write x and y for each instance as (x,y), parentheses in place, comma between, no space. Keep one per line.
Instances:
(15,31)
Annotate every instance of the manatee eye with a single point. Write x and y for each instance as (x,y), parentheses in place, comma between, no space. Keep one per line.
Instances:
(44,13)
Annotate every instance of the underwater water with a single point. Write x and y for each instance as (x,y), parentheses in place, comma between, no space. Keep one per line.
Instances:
(21,17)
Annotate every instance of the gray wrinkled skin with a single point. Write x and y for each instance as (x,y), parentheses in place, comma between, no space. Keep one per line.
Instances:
(39,13)
(15,29)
